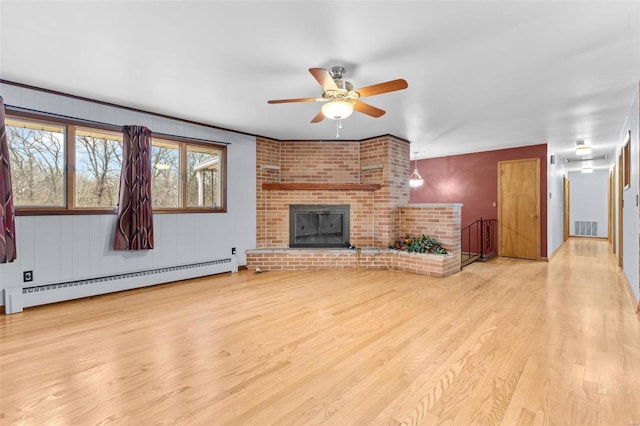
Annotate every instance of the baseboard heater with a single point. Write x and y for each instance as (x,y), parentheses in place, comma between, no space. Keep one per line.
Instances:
(18,298)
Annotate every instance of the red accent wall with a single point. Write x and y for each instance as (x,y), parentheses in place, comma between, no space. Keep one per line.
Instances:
(472,179)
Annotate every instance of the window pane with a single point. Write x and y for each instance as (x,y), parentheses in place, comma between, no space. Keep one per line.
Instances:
(165,179)
(37,163)
(98,165)
(203,177)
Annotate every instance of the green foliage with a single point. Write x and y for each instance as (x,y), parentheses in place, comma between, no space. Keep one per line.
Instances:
(423,244)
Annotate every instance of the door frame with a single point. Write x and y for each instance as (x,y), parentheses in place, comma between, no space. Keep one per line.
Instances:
(536,160)
(610,236)
(566,208)
(620,207)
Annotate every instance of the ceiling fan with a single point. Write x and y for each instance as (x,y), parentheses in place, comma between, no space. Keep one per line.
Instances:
(340,97)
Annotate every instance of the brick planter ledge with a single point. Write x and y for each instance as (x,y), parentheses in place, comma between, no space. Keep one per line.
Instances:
(287,259)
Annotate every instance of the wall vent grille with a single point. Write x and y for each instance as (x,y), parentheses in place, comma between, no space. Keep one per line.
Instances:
(584,228)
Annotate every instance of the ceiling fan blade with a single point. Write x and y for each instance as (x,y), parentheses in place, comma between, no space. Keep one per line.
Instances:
(318,118)
(284,101)
(324,78)
(389,86)
(368,109)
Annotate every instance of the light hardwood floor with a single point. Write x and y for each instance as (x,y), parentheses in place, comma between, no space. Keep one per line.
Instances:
(508,342)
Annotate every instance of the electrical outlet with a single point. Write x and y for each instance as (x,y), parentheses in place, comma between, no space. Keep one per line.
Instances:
(27,276)
(233,250)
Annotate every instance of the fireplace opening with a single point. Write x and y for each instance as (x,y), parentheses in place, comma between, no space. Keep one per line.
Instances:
(318,225)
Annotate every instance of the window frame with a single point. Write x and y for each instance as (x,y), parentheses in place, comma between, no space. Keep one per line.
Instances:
(71,125)
(44,121)
(71,197)
(182,143)
(179,188)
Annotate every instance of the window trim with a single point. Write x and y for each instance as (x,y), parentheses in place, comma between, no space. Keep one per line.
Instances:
(71,171)
(182,146)
(72,124)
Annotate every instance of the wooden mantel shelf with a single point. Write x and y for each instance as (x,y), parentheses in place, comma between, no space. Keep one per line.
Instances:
(321,186)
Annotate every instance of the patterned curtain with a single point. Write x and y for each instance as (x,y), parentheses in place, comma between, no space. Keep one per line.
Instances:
(7,222)
(134,229)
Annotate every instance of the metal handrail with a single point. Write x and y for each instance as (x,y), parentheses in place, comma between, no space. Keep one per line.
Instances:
(483,245)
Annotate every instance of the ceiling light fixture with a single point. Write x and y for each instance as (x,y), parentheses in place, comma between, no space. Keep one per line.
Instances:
(582,149)
(337,109)
(415,180)
(597,157)
(587,170)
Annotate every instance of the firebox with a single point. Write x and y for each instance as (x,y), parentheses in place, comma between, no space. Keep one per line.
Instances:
(318,225)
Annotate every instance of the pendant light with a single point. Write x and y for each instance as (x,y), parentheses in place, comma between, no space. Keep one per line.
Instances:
(415,180)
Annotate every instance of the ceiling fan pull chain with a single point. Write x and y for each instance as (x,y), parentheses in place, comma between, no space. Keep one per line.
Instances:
(338,128)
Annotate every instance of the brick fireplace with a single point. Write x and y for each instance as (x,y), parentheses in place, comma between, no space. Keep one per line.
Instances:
(370,177)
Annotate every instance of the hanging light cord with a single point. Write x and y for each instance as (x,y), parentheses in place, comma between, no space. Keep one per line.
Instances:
(338,127)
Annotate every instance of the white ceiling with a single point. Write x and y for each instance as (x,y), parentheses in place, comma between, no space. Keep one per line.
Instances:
(482,75)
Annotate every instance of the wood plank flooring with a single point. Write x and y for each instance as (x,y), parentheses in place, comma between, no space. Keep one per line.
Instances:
(510,342)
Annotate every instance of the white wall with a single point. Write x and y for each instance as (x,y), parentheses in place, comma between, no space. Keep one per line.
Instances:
(555,205)
(630,211)
(62,248)
(588,200)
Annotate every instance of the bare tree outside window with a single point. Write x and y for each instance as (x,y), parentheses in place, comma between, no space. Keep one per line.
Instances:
(165,180)
(37,164)
(47,154)
(98,165)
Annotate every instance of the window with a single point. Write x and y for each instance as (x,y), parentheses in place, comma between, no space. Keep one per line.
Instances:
(199,187)
(165,170)
(97,172)
(203,177)
(37,154)
(64,166)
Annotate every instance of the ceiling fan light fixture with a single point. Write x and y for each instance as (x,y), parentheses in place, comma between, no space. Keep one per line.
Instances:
(337,109)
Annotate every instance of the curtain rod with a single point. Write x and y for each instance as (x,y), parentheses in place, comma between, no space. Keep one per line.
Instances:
(87,122)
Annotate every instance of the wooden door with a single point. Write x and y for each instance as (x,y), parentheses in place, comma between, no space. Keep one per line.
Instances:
(566,208)
(620,206)
(519,208)
(614,220)
(609,210)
